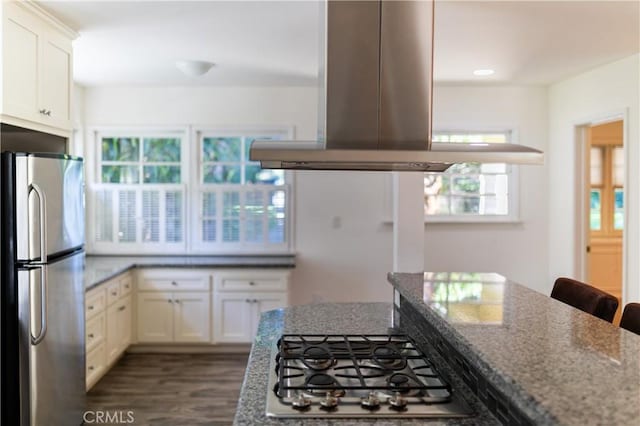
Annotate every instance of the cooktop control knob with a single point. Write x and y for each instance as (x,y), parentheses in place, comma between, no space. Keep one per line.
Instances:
(370,402)
(398,402)
(329,402)
(300,402)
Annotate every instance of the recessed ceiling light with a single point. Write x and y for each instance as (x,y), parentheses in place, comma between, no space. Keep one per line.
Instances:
(483,72)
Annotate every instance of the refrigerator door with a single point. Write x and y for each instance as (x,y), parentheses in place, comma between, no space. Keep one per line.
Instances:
(51,343)
(49,205)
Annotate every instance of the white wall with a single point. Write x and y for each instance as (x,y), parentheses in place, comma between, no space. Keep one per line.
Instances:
(518,250)
(595,95)
(344,246)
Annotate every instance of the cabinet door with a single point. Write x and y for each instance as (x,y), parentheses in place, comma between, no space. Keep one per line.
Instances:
(20,64)
(124,323)
(113,333)
(191,319)
(232,317)
(55,83)
(264,302)
(155,317)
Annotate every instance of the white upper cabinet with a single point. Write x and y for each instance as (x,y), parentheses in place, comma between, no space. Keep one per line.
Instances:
(36,69)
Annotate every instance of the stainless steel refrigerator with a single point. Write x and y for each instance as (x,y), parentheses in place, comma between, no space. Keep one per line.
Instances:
(42,294)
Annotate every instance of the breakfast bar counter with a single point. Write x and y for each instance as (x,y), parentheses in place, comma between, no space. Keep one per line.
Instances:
(529,357)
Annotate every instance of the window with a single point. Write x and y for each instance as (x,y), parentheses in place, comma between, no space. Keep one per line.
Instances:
(606,198)
(139,197)
(241,205)
(145,196)
(471,191)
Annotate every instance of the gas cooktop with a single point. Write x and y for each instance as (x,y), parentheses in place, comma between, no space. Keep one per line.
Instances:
(357,376)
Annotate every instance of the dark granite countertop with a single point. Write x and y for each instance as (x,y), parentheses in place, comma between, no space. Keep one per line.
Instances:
(556,364)
(98,269)
(358,318)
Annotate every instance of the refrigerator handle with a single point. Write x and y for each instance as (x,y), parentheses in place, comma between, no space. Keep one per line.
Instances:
(43,307)
(43,220)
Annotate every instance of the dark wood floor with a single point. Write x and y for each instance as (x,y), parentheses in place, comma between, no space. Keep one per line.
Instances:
(172,389)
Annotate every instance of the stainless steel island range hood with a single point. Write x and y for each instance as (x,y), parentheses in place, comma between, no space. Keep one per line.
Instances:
(376,87)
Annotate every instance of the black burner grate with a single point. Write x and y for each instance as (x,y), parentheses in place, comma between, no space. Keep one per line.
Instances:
(389,363)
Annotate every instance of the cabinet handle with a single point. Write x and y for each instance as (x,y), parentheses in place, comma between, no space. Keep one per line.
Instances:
(114,293)
(48,113)
(177,300)
(170,301)
(90,335)
(174,283)
(255,300)
(126,286)
(90,307)
(121,308)
(252,283)
(248,300)
(91,368)
(42,111)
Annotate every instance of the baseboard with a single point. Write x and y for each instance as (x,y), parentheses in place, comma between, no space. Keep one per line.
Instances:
(229,348)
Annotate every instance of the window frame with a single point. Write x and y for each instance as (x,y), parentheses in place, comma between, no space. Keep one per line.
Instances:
(190,184)
(513,196)
(198,246)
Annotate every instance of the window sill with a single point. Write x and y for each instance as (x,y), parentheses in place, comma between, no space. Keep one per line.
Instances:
(489,220)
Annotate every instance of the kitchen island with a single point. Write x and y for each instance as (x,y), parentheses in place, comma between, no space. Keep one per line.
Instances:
(356,318)
(524,354)
(517,356)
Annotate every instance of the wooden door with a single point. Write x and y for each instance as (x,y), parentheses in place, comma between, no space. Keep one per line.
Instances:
(606,209)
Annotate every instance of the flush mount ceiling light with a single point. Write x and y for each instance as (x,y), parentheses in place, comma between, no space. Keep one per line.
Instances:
(194,68)
(483,72)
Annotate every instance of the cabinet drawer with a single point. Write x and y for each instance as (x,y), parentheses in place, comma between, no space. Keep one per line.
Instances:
(95,365)
(95,303)
(113,292)
(95,331)
(176,284)
(252,284)
(126,285)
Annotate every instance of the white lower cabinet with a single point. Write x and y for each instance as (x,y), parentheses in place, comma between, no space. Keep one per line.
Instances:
(174,306)
(191,317)
(108,317)
(237,315)
(239,299)
(174,317)
(155,317)
(118,328)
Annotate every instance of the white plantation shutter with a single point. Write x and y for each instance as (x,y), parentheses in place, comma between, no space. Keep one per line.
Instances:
(254,216)
(241,217)
(103,227)
(231,216)
(174,214)
(209,218)
(149,217)
(126,216)
(276,216)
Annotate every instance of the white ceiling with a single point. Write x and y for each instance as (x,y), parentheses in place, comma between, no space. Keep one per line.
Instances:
(276,43)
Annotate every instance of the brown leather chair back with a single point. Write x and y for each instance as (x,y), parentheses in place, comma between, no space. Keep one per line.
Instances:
(631,317)
(585,297)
